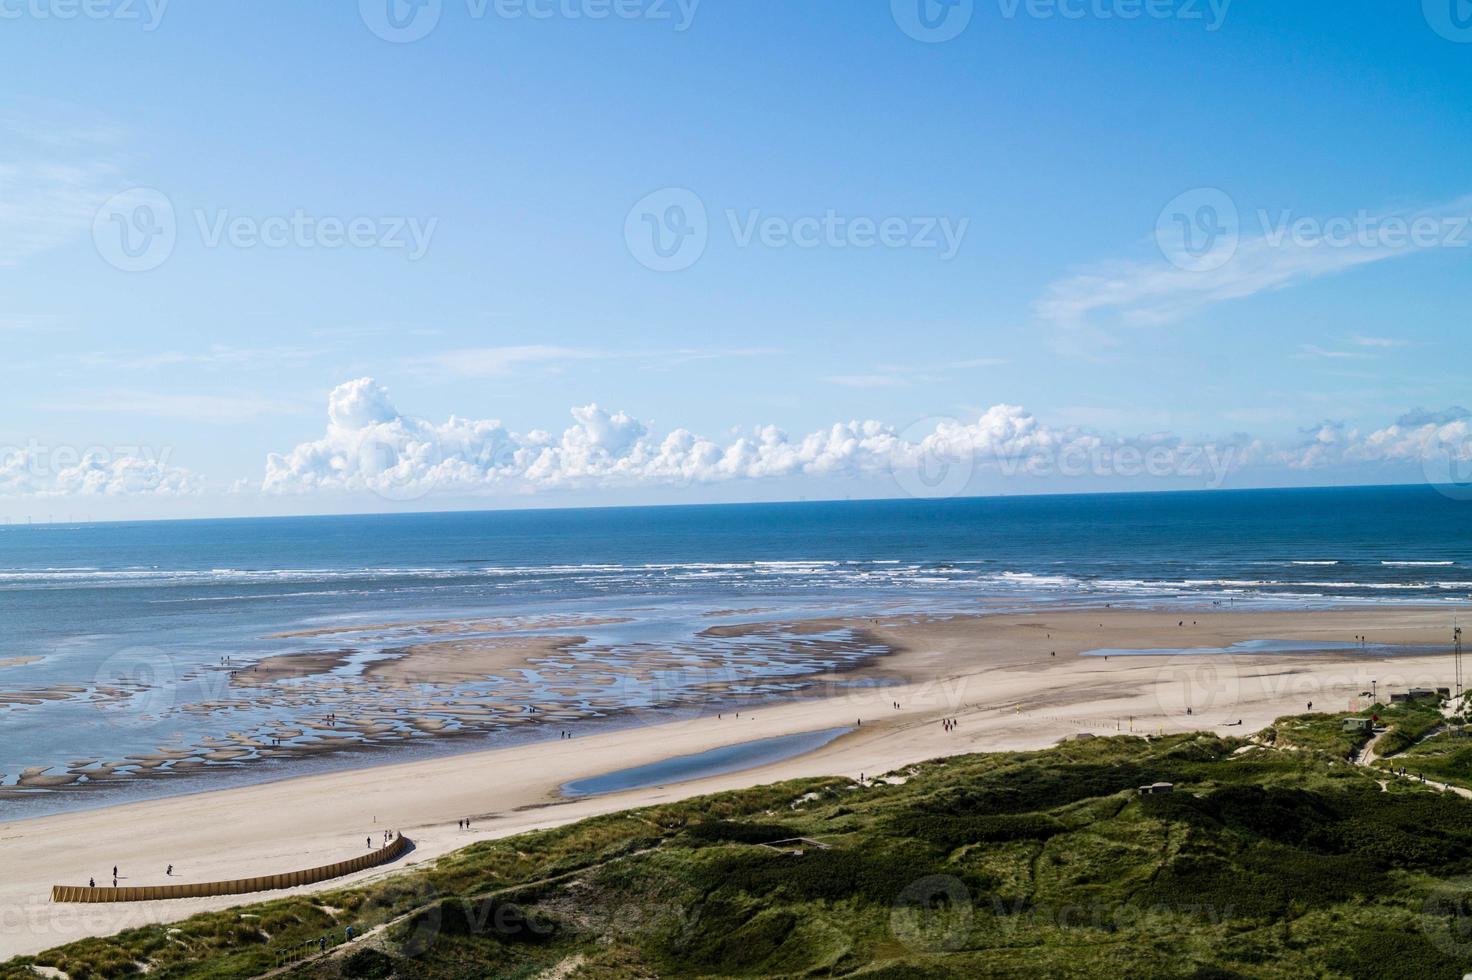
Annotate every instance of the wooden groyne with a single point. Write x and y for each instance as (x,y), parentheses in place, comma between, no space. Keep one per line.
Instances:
(239,886)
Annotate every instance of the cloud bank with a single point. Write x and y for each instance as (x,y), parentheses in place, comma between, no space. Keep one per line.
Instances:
(45,471)
(369,445)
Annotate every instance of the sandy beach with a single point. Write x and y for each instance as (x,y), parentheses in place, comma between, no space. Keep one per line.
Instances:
(1013,681)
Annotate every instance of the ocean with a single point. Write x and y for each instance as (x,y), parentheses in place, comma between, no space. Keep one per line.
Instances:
(115,634)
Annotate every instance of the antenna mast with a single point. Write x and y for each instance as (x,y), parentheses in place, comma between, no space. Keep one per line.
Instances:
(1457,646)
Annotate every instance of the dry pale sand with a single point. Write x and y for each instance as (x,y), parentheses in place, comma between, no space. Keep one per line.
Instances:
(996,674)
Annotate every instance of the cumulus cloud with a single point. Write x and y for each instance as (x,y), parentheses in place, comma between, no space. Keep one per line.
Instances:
(44,471)
(370,446)
(1428,438)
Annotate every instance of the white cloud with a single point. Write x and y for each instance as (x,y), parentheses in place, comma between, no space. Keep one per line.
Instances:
(1277,255)
(57,471)
(370,446)
(1418,437)
(45,204)
(1315,351)
(56,174)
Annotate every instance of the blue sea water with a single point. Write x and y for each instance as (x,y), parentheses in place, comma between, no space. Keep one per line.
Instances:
(77,600)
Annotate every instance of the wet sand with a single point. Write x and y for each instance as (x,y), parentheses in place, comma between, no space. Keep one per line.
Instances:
(1013,681)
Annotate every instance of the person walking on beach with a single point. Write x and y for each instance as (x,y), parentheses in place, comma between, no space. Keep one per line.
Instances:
(170,871)
(91,882)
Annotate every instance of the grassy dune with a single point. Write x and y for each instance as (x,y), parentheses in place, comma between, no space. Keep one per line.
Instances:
(1263,863)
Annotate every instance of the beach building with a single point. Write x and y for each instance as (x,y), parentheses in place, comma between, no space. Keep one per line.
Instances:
(1421,694)
(1358,725)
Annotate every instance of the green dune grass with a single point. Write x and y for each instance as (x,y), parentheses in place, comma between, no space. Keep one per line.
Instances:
(1262,863)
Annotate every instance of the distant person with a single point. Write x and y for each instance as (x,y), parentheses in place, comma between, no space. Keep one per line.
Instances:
(170,871)
(91,882)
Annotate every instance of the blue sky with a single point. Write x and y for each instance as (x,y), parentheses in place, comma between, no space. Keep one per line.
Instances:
(494,169)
